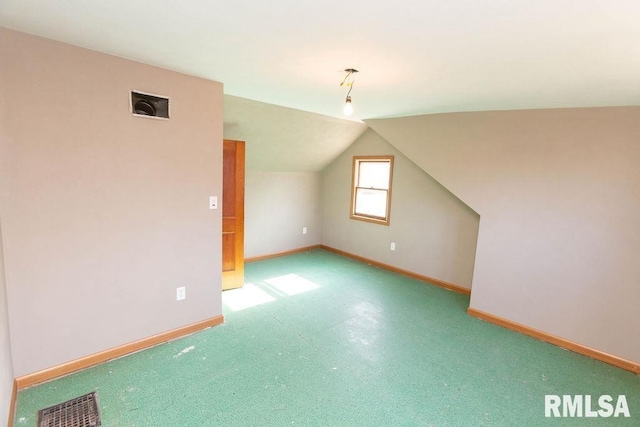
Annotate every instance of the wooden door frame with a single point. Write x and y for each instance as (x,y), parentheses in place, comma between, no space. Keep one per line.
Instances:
(232,279)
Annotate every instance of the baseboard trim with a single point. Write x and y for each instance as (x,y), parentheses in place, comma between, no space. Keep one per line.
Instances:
(555,340)
(113,353)
(440,283)
(279,254)
(12,404)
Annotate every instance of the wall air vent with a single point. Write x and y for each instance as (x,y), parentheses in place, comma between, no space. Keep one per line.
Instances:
(147,105)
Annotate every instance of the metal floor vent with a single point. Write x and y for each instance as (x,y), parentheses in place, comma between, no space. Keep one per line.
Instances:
(79,412)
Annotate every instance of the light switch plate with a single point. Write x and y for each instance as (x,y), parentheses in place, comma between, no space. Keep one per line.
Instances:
(213,202)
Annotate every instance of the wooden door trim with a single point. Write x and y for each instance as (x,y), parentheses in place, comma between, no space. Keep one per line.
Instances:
(235,278)
(239,203)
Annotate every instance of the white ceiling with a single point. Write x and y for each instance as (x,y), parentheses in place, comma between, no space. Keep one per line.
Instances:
(414,56)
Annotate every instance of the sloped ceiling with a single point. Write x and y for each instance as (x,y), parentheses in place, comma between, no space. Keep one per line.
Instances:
(480,156)
(414,56)
(284,139)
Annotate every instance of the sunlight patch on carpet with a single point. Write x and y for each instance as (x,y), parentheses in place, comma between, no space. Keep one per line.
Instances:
(292,284)
(247,296)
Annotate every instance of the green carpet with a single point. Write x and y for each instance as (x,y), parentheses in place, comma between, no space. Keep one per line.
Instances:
(318,339)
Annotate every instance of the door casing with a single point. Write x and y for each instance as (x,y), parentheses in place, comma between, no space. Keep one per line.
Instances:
(233,214)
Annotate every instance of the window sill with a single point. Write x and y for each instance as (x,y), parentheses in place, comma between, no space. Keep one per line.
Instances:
(370,219)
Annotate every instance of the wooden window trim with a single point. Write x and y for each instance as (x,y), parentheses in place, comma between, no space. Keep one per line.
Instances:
(354,177)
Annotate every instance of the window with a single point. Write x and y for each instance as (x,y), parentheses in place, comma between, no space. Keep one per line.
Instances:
(371,188)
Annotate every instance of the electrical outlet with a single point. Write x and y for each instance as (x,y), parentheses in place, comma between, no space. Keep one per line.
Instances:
(181,293)
(393,246)
(304,230)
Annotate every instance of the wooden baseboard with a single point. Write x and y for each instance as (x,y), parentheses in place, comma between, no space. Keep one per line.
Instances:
(12,404)
(446,285)
(285,253)
(560,342)
(113,353)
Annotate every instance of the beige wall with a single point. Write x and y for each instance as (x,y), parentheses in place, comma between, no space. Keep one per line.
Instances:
(435,234)
(277,206)
(105,213)
(558,192)
(6,365)
(285,151)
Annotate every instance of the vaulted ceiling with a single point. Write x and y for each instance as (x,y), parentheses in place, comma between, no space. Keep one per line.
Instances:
(284,139)
(414,56)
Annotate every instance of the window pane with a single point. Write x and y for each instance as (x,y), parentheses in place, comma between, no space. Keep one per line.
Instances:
(371,202)
(374,175)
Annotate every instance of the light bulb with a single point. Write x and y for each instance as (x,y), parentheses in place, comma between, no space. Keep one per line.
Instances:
(348,108)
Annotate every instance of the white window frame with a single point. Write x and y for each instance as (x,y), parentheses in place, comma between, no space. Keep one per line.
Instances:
(357,160)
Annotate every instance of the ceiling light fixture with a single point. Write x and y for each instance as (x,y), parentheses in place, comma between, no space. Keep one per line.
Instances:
(348,81)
